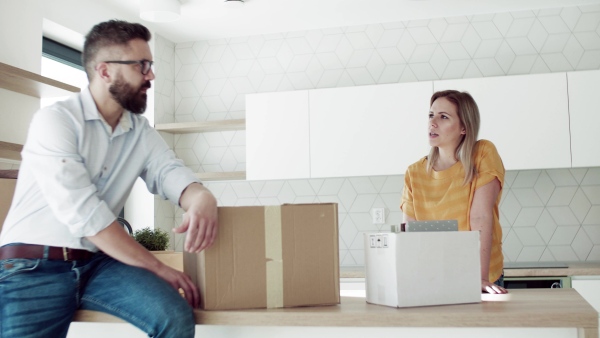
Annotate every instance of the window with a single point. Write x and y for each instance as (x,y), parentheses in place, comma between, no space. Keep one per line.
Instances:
(63,64)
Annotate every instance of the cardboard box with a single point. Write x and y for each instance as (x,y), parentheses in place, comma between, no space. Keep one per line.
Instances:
(170,258)
(270,257)
(7,190)
(422,268)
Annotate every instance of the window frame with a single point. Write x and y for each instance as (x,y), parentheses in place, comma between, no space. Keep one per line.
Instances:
(61,53)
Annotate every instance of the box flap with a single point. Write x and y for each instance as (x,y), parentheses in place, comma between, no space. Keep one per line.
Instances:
(7,190)
(436,268)
(311,254)
(235,268)
(381,284)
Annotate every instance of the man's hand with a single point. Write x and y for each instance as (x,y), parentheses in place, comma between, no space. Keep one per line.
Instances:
(180,280)
(201,218)
(118,244)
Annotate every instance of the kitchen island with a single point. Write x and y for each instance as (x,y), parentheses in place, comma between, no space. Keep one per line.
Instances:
(551,312)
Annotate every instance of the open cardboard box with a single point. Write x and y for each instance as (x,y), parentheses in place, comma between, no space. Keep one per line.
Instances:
(270,257)
(7,190)
(409,269)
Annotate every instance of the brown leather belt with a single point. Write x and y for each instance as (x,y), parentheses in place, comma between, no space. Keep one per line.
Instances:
(32,251)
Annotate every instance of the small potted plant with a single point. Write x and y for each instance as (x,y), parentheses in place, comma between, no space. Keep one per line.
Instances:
(157,241)
(152,239)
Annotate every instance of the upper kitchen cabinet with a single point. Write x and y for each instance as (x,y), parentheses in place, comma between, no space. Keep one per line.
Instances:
(526,117)
(584,113)
(277,144)
(368,130)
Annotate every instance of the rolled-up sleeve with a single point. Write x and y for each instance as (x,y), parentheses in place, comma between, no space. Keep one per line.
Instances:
(53,158)
(489,164)
(406,205)
(165,174)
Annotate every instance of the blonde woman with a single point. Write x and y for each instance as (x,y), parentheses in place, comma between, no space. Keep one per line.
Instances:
(461,179)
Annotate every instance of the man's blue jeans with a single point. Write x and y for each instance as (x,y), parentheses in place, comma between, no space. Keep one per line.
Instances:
(38,297)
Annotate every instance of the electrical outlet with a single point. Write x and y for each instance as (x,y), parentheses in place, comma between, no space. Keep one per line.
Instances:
(378,215)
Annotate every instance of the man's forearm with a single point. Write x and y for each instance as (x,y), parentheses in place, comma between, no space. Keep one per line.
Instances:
(191,192)
(115,242)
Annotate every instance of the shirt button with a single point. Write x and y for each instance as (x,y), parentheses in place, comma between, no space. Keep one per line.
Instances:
(104,168)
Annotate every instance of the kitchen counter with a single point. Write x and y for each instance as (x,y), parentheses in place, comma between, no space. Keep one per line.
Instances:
(571,269)
(530,269)
(531,308)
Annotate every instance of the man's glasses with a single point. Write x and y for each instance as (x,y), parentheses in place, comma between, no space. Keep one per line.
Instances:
(145,65)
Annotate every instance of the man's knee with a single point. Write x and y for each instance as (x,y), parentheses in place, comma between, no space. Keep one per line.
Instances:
(179,324)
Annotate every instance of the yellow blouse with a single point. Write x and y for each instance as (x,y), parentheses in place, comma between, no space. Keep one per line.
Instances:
(441,195)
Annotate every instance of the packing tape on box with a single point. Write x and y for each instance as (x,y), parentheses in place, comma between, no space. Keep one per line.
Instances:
(273,252)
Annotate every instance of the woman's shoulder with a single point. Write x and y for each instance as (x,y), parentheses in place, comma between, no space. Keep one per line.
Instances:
(486,151)
(485,146)
(419,165)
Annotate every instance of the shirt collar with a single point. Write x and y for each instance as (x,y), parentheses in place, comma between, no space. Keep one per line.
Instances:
(90,112)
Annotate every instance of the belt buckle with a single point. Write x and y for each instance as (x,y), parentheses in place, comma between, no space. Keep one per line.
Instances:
(65,253)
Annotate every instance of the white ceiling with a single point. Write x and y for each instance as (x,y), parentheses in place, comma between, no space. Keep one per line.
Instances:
(212,19)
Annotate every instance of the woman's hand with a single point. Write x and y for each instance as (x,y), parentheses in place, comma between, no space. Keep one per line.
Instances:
(488,287)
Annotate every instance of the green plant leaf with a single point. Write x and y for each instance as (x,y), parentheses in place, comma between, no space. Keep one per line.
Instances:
(152,239)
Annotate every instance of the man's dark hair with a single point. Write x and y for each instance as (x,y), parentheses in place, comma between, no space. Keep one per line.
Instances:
(110,33)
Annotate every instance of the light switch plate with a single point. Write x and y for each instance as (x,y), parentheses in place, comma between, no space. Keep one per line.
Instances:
(378,215)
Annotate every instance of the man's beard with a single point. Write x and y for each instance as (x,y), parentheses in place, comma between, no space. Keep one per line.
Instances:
(129,98)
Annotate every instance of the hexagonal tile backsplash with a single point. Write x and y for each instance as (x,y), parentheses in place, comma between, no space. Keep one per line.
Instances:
(547,215)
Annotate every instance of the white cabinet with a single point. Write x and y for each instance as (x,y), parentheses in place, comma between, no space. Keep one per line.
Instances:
(589,288)
(525,116)
(535,121)
(368,130)
(584,113)
(277,144)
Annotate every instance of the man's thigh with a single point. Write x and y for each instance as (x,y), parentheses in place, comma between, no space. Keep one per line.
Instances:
(37,297)
(137,296)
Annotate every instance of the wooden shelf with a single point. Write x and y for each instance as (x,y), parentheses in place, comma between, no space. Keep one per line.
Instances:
(28,83)
(204,127)
(201,127)
(10,151)
(222,176)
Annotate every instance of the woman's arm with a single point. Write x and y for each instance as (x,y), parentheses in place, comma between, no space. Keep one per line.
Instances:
(482,220)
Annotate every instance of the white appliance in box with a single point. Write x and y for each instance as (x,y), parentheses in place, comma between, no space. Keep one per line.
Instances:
(422,268)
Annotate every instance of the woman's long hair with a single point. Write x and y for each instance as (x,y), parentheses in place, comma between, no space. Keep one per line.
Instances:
(468,113)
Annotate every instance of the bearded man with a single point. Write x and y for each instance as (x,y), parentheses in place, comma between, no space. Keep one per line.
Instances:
(61,246)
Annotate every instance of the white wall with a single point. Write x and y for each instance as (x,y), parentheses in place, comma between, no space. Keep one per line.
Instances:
(20,46)
(546,215)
